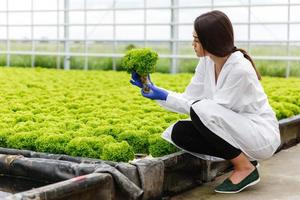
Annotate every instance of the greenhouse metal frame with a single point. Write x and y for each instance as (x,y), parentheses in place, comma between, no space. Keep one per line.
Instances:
(173,41)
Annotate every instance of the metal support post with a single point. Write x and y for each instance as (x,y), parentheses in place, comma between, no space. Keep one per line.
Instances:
(57,37)
(288,68)
(145,23)
(85,37)
(174,34)
(114,65)
(8,39)
(66,36)
(32,37)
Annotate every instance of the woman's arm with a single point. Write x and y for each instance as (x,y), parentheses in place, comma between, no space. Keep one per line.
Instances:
(181,102)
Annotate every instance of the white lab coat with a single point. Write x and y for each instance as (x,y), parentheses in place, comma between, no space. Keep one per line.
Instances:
(236,108)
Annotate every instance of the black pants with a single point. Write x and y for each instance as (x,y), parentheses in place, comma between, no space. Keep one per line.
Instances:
(194,136)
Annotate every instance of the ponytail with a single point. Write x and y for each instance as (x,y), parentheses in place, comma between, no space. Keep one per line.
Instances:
(246,55)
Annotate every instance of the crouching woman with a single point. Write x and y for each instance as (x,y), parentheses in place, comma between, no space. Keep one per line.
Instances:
(230,116)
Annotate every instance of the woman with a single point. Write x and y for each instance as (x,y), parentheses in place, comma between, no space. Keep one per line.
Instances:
(231,118)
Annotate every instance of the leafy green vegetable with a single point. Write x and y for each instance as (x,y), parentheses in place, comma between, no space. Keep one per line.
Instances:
(54,143)
(119,152)
(159,146)
(137,139)
(88,146)
(23,140)
(87,105)
(4,134)
(142,60)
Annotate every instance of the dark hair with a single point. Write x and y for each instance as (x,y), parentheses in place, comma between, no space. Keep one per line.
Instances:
(215,33)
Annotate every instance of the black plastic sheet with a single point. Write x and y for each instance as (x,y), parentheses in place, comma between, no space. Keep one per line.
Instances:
(140,179)
(58,170)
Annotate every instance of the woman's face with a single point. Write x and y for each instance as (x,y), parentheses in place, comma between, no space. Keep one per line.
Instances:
(200,52)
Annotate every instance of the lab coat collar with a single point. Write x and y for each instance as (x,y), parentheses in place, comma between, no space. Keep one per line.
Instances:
(234,57)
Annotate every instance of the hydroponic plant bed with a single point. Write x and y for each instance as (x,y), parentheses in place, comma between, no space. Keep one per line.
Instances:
(99,114)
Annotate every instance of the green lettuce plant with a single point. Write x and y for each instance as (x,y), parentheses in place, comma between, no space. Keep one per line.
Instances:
(159,146)
(54,143)
(93,104)
(88,146)
(119,152)
(4,134)
(143,62)
(23,140)
(137,139)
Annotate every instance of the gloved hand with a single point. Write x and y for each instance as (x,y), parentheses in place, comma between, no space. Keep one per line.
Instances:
(136,79)
(155,93)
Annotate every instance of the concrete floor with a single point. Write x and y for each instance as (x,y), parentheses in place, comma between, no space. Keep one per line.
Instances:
(280,180)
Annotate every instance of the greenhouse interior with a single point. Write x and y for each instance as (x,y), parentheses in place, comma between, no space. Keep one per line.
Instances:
(149,99)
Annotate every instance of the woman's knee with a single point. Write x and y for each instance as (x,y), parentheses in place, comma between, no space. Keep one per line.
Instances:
(193,114)
(177,132)
(195,119)
(205,108)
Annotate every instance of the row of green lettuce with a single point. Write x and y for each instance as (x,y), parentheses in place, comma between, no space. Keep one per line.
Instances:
(99,114)
(266,68)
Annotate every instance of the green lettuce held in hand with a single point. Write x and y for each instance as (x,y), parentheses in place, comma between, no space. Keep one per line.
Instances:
(142,61)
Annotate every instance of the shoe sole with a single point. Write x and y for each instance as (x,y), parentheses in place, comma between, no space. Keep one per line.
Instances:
(232,192)
(257,165)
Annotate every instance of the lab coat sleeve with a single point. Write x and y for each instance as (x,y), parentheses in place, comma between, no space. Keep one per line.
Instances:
(176,102)
(181,102)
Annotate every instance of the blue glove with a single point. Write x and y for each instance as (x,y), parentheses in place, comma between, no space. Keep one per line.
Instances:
(155,93)
(136,79)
